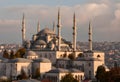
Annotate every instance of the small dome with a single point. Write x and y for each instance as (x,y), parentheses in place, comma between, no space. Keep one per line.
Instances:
(46,31)
(30,53)
(41,42)
(44,60)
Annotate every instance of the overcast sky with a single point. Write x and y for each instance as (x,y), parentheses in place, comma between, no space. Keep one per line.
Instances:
(104,15)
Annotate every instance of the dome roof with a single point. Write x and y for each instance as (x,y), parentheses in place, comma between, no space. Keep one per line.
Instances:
(28,80)
(44,60)
(20,60)
(46,31)
(4,60)
(62,70)
(40,42)
(31,53)
(74,70)
(59,70)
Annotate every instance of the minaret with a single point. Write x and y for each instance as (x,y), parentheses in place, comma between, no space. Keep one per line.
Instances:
(59,30)
(54,27)
(23,30)
(74,33)
(38,27)
(90,36)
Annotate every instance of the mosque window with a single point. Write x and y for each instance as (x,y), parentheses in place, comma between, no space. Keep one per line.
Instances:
(98,56)
(81,77)
(89,64)
(45,55)
(89,74)
(75,76)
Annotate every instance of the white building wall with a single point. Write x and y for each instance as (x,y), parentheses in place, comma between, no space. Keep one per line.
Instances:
(45,67)
(14,69)
(59,76)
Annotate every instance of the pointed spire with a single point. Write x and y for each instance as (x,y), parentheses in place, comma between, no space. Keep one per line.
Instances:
(90,36)
(23,29)
(59,18)
(59,29)
(74,32)
(74,20)
(54,29)
(38,27)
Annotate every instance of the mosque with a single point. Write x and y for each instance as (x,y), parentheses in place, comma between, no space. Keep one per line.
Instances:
(49,52)
(46,43)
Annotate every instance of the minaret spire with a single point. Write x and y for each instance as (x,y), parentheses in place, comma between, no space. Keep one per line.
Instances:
(74,33)
(38,27)
(23,30)
(54,29)
(59,29)
(90,36)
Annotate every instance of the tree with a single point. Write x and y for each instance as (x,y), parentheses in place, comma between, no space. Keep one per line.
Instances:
(20,53)
(114,75)
(12,55)
(37,73)
(22,75)
(100,73)
(6,54)
(108,76)
(69,78)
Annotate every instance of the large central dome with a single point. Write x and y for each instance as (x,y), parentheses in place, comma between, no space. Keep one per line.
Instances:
(46,31)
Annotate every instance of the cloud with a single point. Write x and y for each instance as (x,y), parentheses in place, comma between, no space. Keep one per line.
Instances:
(104,18)
(9,22)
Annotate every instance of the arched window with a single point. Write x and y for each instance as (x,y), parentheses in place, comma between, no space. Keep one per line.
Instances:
(89,64)
(75,76)
(98,56)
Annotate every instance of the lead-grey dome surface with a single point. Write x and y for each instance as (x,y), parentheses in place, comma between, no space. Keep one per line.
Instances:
(20,60)
(46,31)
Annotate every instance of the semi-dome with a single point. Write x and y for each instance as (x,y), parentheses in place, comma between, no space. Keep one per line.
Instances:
(46,31)
(40,42)
(44,60)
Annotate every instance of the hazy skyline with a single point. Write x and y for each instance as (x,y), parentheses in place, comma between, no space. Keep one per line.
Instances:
(104,14)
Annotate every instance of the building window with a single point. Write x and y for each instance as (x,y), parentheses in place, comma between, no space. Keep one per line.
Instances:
(45,55)
(89,74)
(61,56)
(89,64)
(75,76)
